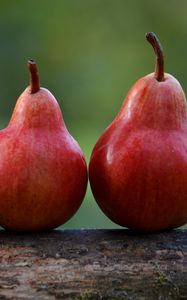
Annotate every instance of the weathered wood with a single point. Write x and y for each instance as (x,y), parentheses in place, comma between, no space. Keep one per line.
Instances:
(93,264)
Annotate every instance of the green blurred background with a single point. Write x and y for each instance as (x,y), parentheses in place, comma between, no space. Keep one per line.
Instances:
(89,53)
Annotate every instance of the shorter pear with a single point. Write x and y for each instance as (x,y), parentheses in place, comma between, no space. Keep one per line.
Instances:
(138,167)
(43,173)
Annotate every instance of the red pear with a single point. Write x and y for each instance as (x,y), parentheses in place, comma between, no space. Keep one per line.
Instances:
(138,167)
(43,174)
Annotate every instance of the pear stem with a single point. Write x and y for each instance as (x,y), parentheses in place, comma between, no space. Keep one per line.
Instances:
(34,76)
(159,68)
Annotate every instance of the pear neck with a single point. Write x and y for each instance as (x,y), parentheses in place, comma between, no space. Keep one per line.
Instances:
(151,105)
(37,111)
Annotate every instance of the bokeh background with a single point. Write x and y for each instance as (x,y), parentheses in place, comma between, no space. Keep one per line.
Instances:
(89,53)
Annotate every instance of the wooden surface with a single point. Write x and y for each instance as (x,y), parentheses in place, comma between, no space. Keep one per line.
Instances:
(93,264)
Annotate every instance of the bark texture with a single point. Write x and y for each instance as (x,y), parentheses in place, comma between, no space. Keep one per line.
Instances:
(93,264)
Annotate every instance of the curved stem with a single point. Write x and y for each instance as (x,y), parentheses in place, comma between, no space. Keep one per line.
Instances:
(159,68)
(34,76)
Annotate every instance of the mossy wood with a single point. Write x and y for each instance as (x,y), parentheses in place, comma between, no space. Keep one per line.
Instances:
(93,264)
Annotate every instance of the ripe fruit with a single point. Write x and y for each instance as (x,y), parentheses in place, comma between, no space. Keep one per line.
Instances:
(138,167)
(43,174)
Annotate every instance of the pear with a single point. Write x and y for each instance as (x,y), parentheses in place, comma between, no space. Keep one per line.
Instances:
(43,173)
(138,167)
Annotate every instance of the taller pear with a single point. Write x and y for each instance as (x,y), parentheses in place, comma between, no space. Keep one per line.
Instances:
(43,174)
(138,167)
